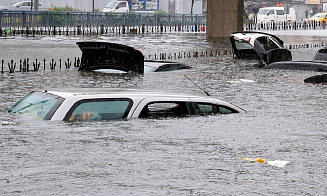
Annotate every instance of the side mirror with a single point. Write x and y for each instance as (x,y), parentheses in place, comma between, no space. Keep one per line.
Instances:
(268,14)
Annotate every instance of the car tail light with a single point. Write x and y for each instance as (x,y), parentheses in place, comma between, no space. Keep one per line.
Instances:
(246,39)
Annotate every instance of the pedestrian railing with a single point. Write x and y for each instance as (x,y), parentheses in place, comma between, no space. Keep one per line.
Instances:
(296,25)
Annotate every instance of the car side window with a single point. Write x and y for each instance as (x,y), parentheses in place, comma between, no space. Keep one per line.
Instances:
(280,12)
(156,110)
(271,12)
(209,109)
(99,109)
(121,4)
(181,109)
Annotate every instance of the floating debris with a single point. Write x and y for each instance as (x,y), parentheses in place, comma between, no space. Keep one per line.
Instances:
(276,163)
(254,160)
(5,123)
(241,81)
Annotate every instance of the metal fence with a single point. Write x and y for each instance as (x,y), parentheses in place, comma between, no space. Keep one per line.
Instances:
(90,23)
(70,20)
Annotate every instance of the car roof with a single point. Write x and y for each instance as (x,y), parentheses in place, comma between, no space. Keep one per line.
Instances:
(277,8)
(65,93)
(319,14)
(136,94)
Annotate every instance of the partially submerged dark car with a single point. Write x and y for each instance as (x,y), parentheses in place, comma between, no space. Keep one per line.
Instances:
(319,63)
(270,52)
(260,46)
(117,58)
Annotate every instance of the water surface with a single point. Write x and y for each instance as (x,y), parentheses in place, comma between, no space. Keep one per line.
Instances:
(285,120)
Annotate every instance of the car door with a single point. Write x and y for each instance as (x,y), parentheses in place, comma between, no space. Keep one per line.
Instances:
(280,16)
(271,15)
(325,19)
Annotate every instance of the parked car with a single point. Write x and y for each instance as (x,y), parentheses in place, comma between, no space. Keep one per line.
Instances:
(22,5)
(118,58)
(270,52)
(319,17)
(110,104)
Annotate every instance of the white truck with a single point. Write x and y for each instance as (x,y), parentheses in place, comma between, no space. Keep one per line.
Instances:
(129,5)
(276,14)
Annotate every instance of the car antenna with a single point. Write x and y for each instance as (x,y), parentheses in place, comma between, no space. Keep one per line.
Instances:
(197,85)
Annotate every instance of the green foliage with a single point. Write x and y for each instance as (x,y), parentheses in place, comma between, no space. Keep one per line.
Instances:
(64,9)
(159,11)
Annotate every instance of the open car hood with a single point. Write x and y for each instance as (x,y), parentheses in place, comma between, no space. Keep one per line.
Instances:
(260,46)
(105,55)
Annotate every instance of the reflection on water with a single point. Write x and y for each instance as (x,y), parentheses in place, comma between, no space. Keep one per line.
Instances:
(189,156)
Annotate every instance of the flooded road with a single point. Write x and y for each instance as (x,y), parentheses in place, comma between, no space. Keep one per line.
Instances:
(285,120)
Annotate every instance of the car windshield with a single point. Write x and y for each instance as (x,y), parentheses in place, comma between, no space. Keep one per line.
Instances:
(147,69)
(35,104)
(263,12)
(319,15)
(111,4)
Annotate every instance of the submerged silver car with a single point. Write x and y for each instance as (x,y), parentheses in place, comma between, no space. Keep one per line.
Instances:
(97,104)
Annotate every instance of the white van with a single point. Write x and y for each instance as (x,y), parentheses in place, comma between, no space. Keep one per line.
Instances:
(276,14)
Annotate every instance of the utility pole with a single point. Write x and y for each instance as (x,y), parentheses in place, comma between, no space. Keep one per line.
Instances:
(31,4)
(92,5)
(36,4)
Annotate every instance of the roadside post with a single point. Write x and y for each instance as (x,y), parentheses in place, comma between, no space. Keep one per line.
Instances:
(0,24)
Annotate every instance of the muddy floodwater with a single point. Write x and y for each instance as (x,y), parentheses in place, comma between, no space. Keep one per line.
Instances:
(211,155)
